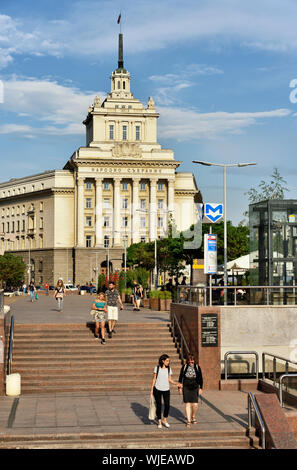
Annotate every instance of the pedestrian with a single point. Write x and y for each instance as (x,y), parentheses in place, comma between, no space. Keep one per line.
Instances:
(161,388)
(99,305)
(137,292)
(46,286)
(59,293)
(24,289)
(32,291)
(112,299)
(184,281)
(191,383)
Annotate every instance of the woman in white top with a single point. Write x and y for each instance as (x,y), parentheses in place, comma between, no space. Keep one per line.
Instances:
(161,388)
(59,293)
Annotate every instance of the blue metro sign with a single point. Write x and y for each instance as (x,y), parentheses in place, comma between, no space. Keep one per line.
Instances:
(213,212)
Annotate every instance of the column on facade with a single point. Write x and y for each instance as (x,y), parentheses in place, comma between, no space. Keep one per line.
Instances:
(135,211)
(153,210)
(170,199)
(98,213)
(80,212)
(117,211)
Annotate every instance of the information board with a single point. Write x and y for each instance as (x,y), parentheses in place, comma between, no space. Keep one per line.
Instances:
(209,329)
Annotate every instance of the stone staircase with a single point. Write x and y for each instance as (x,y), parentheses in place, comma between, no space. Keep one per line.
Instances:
(67,358)
(142,440)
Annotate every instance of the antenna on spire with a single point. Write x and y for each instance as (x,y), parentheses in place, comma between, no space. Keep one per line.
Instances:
(121,52)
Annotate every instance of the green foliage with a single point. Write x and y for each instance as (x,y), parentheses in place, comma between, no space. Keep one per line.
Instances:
(142,276)
(121,283)
(237,241)
(275,189)
(165,294)
(154,294)
(101,282)
(12,269)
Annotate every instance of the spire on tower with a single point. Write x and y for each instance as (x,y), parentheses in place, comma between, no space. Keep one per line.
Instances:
(121,52)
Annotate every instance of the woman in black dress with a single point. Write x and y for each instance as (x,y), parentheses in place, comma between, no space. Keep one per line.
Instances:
(191,382)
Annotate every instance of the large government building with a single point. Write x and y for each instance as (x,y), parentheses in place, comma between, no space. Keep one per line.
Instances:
(121,188)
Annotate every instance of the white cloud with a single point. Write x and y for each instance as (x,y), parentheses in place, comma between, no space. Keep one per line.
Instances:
(58,109)
(151,25)
(185,124)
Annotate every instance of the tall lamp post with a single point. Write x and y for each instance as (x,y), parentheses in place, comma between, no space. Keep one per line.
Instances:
(224,165)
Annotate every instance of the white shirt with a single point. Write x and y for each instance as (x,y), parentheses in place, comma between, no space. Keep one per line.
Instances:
(162,382)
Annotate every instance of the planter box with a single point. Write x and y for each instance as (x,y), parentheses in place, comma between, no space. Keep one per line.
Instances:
(154,304)
(162,304)
(168,303)
(146,303)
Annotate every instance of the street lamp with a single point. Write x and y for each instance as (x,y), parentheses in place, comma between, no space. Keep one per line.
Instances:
(224,165)
(156,265)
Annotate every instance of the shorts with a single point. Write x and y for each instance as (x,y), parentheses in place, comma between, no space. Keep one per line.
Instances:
(100,316)
(113,313)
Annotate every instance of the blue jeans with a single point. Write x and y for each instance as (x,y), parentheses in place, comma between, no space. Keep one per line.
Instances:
(31,295)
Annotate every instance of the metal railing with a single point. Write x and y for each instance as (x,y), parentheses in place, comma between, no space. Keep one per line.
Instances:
(237,295)
(183,341)
(10,344)
(281,387)
(275,357)
(228,353)
(252,404)
(1,301)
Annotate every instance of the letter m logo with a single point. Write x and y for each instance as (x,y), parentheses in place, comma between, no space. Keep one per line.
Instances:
(213,212)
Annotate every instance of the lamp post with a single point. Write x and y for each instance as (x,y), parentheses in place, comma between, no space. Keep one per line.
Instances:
(224,165)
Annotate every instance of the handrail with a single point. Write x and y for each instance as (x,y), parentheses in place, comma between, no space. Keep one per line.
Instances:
(10,343)
(281,388)
(287,361)
(241,352)
(282,291)
(174,319)
(252,402)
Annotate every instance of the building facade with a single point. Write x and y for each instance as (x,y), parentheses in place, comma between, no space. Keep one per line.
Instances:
(122,187)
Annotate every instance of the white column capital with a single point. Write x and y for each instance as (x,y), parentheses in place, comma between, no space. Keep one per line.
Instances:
(80,180)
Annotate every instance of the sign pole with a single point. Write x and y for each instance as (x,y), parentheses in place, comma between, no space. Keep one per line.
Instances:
(210,276)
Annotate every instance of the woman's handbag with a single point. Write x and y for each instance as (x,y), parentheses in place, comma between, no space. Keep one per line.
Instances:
(152,408)
(93,312)
(36,296)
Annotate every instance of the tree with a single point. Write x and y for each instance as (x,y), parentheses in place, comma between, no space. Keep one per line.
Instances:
(237,238)
(275,189)
(12,269)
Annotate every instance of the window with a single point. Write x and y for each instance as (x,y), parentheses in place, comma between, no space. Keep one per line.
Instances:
(24,226)
(23,209)
(160,222)
(41,223)
(119,85)
(124,221)
(41,206)
(7,227)
(106,222)
(106,203)
(40,269)
(12,227)
(88,241)
(88,221)
(106,185)
(160,203)
(142,186)
(125,186)
(111,132)
(124,84)
(106,241)
(125,203)
(88,185)
(3,227)
(160,186)
(142,239)
(88,203)
(142,222)
(124,132)
(137,132)
(18,226)
(142,203)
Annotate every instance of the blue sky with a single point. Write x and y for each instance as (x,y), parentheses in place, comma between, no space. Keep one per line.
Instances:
(218,70)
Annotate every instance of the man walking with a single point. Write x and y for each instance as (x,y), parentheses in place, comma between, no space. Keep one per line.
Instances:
(112,299)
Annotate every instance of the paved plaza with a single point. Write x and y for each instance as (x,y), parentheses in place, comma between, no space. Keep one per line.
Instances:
(105,413)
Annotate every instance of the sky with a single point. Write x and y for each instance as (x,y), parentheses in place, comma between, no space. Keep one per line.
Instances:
(222,73)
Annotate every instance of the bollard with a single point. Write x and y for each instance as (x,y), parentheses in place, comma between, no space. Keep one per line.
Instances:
(13,385)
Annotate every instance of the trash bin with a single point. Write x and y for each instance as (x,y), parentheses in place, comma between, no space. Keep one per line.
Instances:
(13,385)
